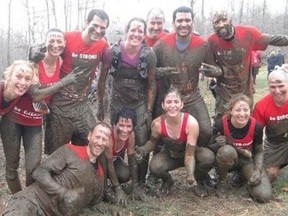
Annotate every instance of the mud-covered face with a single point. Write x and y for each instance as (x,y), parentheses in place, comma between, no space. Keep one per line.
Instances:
(55,43)
(278,87)
(136,33)
(240,114)
(183,24)
(123,128)
(98,140)
(155,26)
(172,104)
(222,25)
(20,80)
(96,28)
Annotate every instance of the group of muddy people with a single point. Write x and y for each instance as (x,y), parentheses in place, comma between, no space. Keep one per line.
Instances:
(155,110)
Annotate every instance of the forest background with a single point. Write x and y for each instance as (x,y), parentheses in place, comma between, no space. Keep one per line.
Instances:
(25,22)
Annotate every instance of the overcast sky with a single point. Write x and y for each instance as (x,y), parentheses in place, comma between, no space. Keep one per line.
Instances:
(124,9)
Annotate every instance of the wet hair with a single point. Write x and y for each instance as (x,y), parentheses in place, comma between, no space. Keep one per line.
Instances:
(136,19)
(100,13)
(235,99)
(183,9)
(126,113)
(7,74)
(54,30)
(155,12)
(221,14)
(172,89)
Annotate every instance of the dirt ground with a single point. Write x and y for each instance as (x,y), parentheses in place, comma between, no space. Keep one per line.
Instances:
(181,201)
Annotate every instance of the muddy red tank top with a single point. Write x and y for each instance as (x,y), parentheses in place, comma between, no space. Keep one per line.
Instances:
(244,143)
(124,147)
(183,135)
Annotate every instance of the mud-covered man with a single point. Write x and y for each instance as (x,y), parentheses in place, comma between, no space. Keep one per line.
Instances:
(232,46)
(123,142)
(180,55)
(71,117)
(271,111)
(69,180)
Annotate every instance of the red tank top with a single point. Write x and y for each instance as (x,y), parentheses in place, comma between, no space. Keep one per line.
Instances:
(244,143)
(183,135)
(81,152)
(46,80)
(124,147)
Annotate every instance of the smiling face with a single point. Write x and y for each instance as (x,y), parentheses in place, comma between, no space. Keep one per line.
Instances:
(96,29)
(135,33)
(240,114)
(172,104)
(98,141)
(183,24)
(222,25)
(55,43)
(278,86)
(20,80)
(123,128)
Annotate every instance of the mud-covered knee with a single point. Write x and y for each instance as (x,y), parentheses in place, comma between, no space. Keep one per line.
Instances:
(156,168)
(205,156)
(261,194)
(11,175)
(226,154)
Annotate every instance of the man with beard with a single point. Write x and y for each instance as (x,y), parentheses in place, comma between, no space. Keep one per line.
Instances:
(122,141)
(71,117)
(232,47)
(67,181)
(181,54)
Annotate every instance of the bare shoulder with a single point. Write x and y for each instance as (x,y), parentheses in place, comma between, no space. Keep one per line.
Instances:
(156,125)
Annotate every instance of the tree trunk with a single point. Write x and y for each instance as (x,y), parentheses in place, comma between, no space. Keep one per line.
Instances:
(54,13)
(241,11)
(48,16)
(9,34)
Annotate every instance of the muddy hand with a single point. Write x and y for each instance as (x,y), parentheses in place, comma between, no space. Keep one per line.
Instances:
(255,178)
(36,53)
(221,140)
(210,70)
(121,196)
(191,181)
(100,110)
(165,71)
(138,194)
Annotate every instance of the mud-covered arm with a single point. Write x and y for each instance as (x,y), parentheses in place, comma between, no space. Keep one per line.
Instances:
(37,93)
(152,142)
(278,40)
(258,163)
(110,166)
(53,165)
(151,69)
(192,131)
(101,82)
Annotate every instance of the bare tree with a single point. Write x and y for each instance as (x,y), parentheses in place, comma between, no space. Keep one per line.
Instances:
(54,13)
(241,10)
(9,33)
(285,18)
(48,15)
